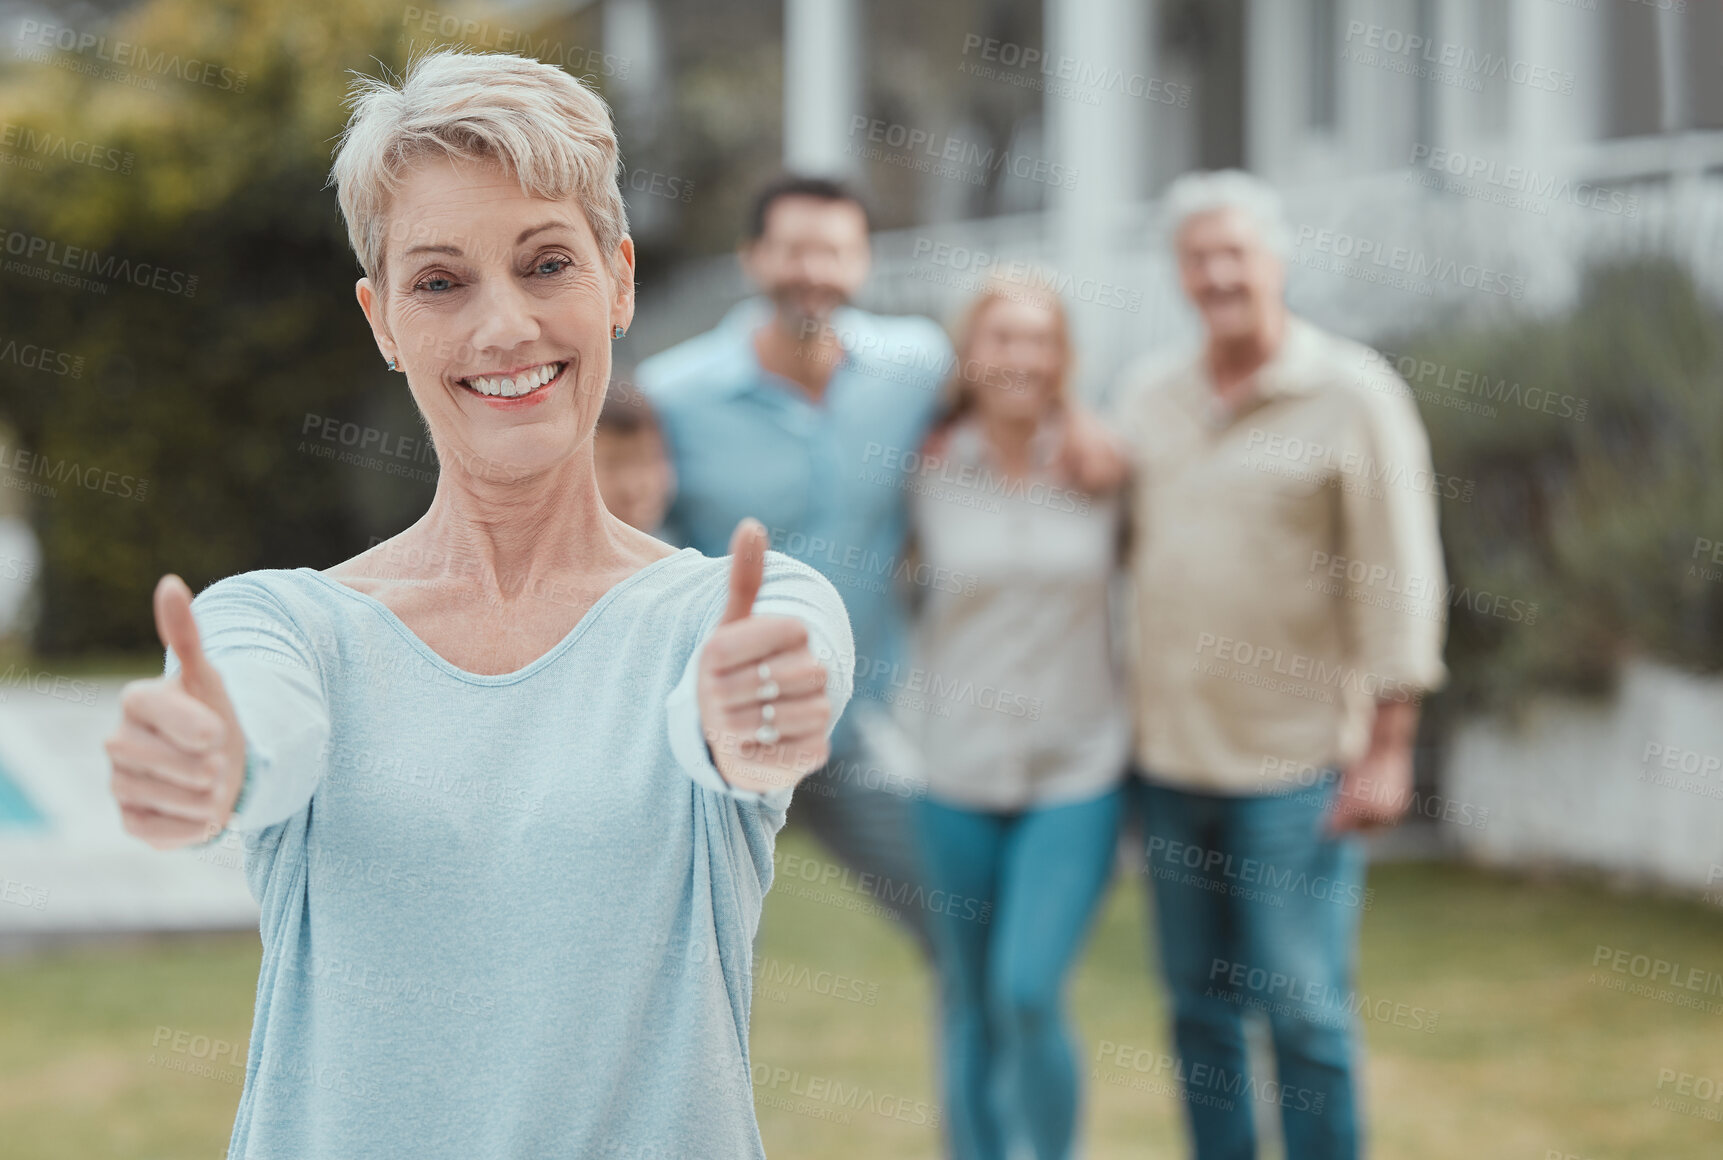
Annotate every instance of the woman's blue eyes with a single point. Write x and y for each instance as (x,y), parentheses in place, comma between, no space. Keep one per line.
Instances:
(549,268)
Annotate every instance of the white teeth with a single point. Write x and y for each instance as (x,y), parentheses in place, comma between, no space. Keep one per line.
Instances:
(514,386)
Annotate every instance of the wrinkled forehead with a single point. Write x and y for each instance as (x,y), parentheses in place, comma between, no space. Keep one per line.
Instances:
(476,211)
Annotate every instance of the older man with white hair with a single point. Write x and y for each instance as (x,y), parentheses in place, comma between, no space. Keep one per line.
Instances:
(1288,579)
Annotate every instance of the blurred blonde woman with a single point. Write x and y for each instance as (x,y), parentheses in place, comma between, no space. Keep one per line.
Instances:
(1025,734)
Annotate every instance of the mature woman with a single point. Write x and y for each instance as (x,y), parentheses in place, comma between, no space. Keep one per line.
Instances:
(510,780)
(1026,749)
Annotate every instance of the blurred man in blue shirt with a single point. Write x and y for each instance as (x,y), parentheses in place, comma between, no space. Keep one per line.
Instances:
(799,410)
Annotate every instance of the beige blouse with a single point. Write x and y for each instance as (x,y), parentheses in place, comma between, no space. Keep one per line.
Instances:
(1016,700)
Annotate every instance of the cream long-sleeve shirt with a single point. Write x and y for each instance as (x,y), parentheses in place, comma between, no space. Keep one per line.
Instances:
(1286,563)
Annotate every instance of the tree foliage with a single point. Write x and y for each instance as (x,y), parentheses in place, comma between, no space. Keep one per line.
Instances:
(203,398)
(1593,440)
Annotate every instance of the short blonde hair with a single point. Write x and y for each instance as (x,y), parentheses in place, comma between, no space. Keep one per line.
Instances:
(543,126)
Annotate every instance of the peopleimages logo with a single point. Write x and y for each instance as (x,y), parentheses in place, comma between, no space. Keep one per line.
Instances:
(1325,458)
(22,469)
(35,357)
(1310,672)
(770,1082)
(58,147)
(1423,372)
(944,149)
(467,32)
(1522,179)
(1412,264)
(1434,806)
(33,248)
(900,464)
(1202,1084)
(129,54)
(1649,977)
(384,988)
(1449,55)
(21,678)
(856,567)
(1311,997)
(1005,58)
(955,690)
(1035,278)
(1688,770)
(1421,594)
(25,894)
(774,976)
(793,869)
(1209,868)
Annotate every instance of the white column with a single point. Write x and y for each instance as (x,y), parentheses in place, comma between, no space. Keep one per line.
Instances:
(641,100)
(1672,28)
(1276,55)
(822,85)
(1378,104)
(1101,143)
(632,34)
(1453,120)
(1555,37)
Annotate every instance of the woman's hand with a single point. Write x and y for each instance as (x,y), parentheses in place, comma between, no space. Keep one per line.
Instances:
(762,693)
(178,755)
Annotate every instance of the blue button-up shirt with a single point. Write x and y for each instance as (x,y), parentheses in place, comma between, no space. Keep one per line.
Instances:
(826,477)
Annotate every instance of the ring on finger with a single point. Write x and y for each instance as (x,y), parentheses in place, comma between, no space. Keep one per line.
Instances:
(766,735)
(767,692)
(768,713)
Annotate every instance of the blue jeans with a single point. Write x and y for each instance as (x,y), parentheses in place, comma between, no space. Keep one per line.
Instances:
(1019,893)
(1256,908)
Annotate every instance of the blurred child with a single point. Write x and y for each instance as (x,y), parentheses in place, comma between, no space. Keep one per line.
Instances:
(635,477)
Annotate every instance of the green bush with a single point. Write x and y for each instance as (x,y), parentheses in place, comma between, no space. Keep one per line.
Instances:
(199,399)
(1593,439)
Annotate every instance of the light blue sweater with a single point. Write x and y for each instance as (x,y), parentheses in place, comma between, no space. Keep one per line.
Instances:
(502,916)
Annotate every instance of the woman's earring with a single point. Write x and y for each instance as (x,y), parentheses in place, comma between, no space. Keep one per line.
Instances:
(617,332)
(391,364)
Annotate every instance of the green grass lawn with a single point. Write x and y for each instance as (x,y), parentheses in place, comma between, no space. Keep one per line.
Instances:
(1529,1055)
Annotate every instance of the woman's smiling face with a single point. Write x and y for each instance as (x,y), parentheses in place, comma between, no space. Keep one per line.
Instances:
(498,306)
(1014,359)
